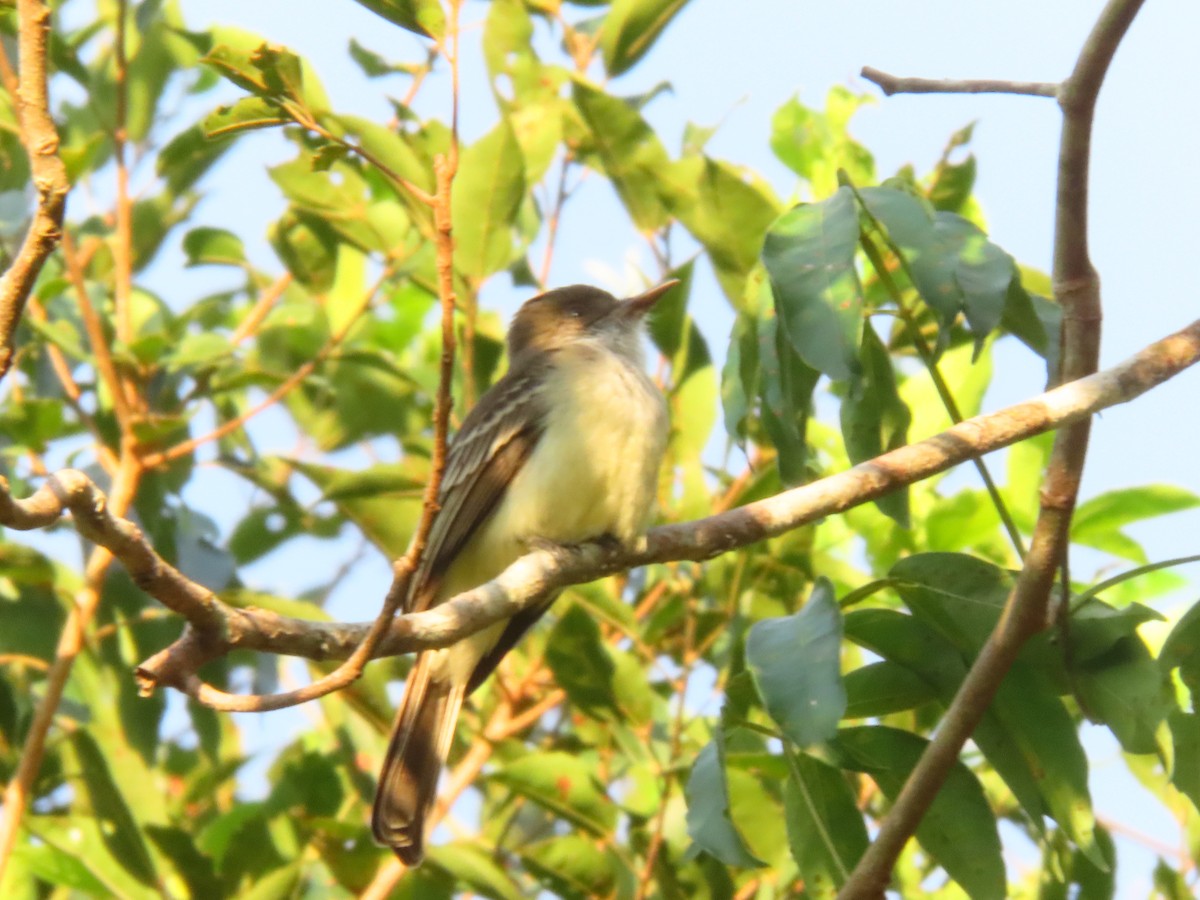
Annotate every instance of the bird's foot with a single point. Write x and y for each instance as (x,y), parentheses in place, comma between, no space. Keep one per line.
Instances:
(607,542)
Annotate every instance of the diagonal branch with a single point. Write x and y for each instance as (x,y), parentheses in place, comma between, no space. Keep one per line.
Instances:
(40,140)
(215,627)
(1077,289)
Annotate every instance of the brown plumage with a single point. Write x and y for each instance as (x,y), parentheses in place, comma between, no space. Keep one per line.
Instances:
(565,447)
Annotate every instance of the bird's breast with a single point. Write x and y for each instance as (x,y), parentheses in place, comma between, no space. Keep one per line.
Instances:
(594,469)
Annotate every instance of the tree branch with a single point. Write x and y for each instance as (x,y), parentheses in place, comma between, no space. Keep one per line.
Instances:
(1077,290)
(891,84)
(40,140)
(215,627)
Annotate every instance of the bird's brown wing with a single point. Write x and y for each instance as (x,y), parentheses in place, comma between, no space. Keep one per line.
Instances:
(496,439)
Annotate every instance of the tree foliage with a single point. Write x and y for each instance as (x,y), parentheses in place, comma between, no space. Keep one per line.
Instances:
(732,728)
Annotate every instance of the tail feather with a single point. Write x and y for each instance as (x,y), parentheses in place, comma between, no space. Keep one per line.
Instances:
(421,739)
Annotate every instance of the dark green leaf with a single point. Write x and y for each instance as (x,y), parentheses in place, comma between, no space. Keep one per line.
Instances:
(874,418)
(796,664)
(786,387)
(708,820)
(809,254)
(825,829)
(882,688)
(1185,735)
(1125,689)
(1182,649)
(958,831)
(580,662)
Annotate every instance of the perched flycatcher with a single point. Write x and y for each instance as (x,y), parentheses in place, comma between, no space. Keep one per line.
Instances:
(564,448)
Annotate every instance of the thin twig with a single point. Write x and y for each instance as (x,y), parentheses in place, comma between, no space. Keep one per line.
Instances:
(265,303)
(49,176)
(105,367)
(890,84)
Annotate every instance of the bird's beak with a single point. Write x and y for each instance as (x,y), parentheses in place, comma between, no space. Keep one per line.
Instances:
(641,304)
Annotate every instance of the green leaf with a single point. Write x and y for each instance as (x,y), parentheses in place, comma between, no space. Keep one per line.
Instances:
(188,156)
(959,830)
(708,821)
(883,688)
(423,17)
(1097,522)
(105,802)
(1182,649)
(198,350)
(571,866)
(908,642)
(953,265)
(825,829)
(1126,690)
(630,29)
(809,254)
(580,662)
(55,867)
(245,114)
(962,598)
(739,377)
(474,868)
(627,151)
(727,209)
(1185,735)
(213,246)
(786,387)
(875,419)
(815,145)
(795,661)
(566,785)
(487,194)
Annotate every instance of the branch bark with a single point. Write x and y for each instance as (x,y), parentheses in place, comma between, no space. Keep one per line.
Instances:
(215,627)
(40,139)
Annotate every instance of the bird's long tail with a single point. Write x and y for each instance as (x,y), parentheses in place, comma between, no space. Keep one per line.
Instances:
(420,740)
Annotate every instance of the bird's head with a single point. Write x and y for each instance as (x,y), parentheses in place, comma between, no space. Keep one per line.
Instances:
(562,316)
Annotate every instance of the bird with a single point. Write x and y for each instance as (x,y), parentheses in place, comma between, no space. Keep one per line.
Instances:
(564,448)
